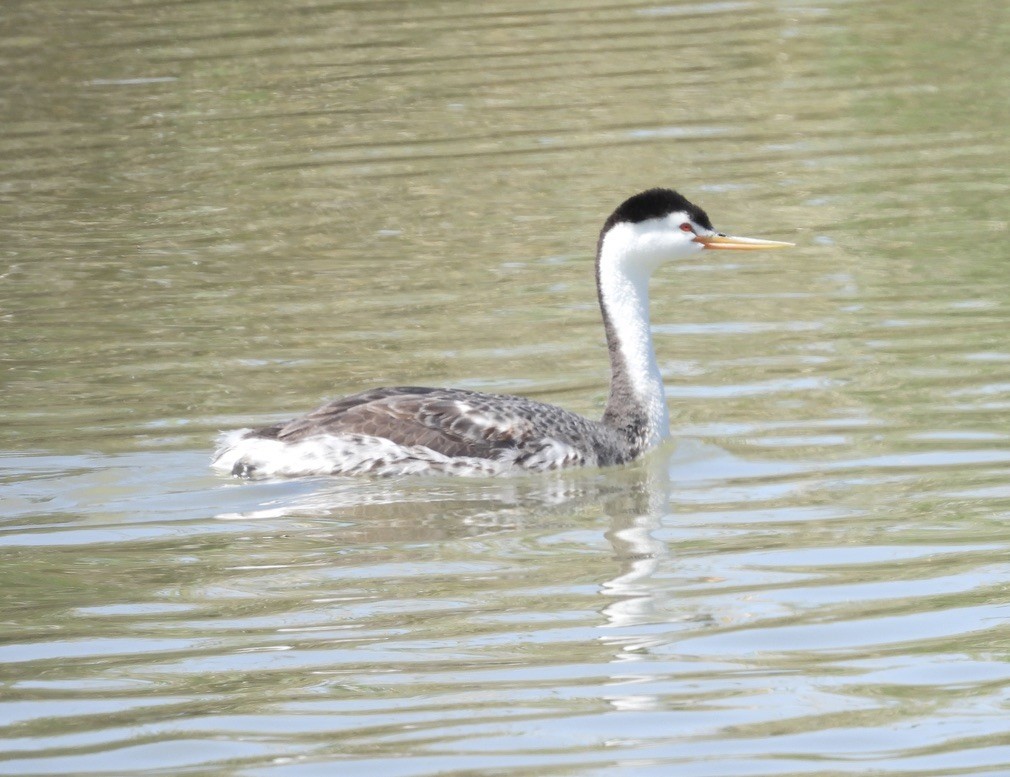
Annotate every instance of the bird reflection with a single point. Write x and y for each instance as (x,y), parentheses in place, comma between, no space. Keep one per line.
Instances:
(521,537)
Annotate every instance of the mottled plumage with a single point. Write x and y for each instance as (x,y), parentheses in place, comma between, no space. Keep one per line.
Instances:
(490,433)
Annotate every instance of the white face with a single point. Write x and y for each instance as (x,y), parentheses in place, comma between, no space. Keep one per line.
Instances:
(648,244)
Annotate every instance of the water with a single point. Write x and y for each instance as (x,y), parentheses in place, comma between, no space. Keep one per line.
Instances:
(216,214)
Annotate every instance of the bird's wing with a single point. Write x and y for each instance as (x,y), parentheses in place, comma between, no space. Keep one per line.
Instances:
(451,422)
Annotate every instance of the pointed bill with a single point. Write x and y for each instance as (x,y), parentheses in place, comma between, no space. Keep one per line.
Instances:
(730,243)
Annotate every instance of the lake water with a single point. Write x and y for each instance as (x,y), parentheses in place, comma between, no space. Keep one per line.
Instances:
(216,214)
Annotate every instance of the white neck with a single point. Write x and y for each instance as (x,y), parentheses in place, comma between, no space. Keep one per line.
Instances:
(624,295)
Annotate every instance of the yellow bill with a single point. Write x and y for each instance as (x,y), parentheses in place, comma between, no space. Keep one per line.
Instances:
(730,243)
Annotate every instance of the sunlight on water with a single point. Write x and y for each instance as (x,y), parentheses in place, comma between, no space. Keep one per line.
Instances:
(218,215)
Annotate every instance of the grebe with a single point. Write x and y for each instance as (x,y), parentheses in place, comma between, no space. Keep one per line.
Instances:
(411,430)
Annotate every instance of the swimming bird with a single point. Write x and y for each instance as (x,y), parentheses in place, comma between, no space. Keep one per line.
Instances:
(414,430)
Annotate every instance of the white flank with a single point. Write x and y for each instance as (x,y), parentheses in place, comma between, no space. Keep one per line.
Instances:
(362,454)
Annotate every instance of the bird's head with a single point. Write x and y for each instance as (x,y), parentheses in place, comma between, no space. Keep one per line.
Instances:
(659,226)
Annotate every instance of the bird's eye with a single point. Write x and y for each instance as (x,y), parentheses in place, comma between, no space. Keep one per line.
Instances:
(685,227)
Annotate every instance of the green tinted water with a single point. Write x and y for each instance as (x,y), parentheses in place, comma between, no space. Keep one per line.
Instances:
(215,214)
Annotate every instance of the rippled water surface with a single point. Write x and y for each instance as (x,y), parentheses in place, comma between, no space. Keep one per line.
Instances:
(219,213)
